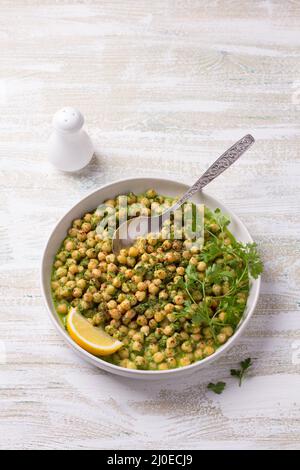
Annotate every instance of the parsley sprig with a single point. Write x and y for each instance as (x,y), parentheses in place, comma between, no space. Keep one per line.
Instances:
(240,373)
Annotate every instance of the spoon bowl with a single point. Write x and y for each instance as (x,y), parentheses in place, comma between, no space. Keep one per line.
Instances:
(130,230)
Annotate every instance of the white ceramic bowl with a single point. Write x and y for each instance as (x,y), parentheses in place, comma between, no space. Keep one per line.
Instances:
(90,202)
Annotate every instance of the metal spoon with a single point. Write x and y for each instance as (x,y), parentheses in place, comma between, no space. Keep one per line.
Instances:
(140,226)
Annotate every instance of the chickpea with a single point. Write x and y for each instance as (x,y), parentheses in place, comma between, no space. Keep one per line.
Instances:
(133,252)
(201,266)
(62,309)
(160,274)
(151,193)
(152,323)
(88,297)
(97,319)
(73,269)
(72,232)
(171,257)
(121,297)
(222,316)
(217,289)
(166,245)
(125,305)
(123,353)
(142,286)
(131,365)
(169,308)
(149,313)
(180,270)
(171,342)
(153,348)
(96,273)
(54,285)
(159,316)
(133,325)
(91,243)
(137,279)
(110,290)
(163,366)
(69,245)
(179,300)
(83,304)
(129,315)
(103,266)
(207,332)
(170,352)
(153,289)
(102,256)
(186,255)
(158,357)
(115,323)
(77,292)
(145,330)
(112,268)
(198,354)
(168,330)
(163,294)
(116,282)
(194,261)
(140,362)
(115,314)
(184,335)
(131,333)
(92,264)
(225,288)
(137,346)
(130,261)
(186,346)
(106,247)
(171,361)
(227,330)
(97,297)
(141,320)
(112,304)
(61,272)
(184,361)
(208,350)
(124,363)
(221,337)
(129,273)
(140,295)
(214,228)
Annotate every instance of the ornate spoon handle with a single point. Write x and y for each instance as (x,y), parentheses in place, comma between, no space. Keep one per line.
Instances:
(220,165)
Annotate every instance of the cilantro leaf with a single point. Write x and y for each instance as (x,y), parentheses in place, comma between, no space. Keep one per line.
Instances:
(221,219)
(217,273)
(254,262)
(217,388)
(240,373)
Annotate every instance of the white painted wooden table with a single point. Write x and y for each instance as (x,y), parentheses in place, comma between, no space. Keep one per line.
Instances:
(166,86)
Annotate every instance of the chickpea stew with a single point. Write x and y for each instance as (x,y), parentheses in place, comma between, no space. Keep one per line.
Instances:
(170,302)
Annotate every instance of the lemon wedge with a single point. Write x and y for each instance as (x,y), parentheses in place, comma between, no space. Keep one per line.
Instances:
(91,338)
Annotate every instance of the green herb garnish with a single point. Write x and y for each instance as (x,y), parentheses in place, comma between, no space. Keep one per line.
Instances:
(217,388)
(240,373)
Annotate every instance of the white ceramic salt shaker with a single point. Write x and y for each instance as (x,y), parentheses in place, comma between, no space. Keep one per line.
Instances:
(69,146)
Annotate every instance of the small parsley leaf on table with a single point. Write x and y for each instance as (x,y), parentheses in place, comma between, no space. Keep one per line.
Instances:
(217,388)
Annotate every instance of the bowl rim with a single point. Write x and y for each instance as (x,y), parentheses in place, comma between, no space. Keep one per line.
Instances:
(137,373)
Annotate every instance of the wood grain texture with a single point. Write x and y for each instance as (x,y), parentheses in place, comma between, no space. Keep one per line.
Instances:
(165,86)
